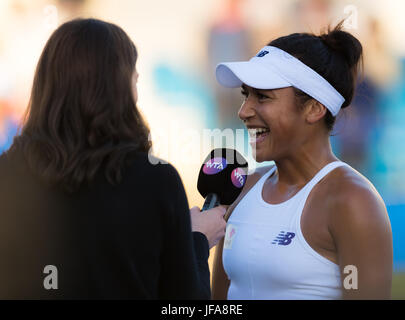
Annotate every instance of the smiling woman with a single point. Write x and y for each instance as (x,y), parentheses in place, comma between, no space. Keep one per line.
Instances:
(299,225)
(277,113)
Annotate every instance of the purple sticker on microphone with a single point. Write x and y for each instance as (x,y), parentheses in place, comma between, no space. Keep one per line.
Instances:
(238,177)
(215,165)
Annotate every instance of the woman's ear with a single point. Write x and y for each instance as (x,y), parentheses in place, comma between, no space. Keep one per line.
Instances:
(314,111)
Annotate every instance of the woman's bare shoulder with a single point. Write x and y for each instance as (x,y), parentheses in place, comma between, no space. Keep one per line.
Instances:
(347,184)
(351,198)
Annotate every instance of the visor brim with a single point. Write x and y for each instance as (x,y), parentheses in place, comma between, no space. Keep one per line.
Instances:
(234,74)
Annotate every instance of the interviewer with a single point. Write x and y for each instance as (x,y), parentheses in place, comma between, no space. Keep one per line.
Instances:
(77,190)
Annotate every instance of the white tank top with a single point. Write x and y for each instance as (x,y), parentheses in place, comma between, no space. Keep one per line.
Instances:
(265,254)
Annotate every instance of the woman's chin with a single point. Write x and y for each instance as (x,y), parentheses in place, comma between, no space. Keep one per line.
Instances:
(261,157)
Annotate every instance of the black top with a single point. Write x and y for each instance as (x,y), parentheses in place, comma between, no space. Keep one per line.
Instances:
(131,241)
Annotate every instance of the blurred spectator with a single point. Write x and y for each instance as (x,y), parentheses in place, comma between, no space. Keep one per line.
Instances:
(355,128)
(70,9)
(312,15)
(228,41)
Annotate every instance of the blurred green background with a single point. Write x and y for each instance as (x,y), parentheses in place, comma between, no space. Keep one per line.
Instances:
(398,286)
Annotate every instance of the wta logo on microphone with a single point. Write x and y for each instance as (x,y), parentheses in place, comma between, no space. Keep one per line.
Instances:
(215,165)
(238,177)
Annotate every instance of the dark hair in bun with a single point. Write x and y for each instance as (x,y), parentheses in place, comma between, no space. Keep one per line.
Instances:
(335,54)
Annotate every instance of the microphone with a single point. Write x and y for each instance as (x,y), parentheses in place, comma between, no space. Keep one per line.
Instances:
(222,177)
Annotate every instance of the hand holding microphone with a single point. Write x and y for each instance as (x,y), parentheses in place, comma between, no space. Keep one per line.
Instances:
(211,223)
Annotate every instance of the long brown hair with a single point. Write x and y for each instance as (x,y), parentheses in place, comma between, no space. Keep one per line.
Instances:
(82,115)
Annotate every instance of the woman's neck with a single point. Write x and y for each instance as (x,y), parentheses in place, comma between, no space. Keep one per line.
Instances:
(299,167)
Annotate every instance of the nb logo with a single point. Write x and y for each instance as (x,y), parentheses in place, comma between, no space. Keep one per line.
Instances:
(262,53)
(284,238)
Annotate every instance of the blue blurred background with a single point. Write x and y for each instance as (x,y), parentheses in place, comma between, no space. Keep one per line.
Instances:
(179,44)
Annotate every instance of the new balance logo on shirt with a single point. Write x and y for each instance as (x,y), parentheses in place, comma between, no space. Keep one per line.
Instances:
(284,238)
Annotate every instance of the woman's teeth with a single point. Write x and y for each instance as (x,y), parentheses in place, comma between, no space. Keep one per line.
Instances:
(258,134)
(257,131)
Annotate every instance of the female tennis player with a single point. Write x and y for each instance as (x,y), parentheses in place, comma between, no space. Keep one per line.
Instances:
(309,227)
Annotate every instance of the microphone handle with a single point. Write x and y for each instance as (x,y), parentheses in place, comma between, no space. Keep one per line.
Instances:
(211,201)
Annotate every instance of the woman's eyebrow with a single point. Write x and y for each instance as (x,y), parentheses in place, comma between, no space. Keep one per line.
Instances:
(268,92)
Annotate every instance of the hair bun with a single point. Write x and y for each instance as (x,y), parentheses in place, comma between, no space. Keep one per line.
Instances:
(344,43)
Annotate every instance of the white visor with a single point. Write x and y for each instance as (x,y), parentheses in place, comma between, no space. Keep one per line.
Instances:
(273,68)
